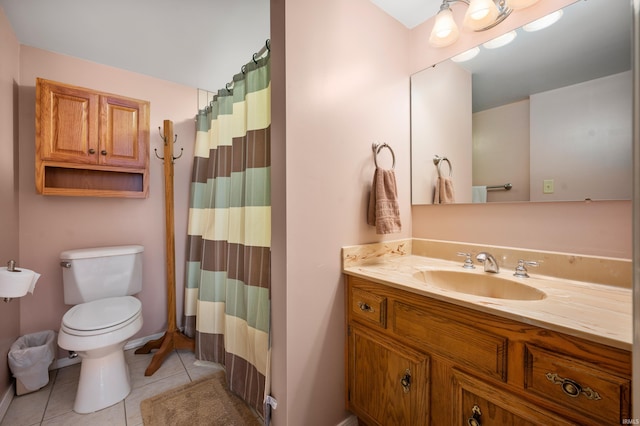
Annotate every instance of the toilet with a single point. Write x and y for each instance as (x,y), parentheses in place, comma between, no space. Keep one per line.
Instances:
(100,283)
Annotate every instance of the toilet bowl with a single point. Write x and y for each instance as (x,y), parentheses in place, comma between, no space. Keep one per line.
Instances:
(98,331)
(100,282)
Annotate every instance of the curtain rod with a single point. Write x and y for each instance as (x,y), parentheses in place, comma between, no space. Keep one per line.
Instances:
(229,86)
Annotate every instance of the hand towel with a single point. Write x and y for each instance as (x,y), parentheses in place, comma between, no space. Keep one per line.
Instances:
(444,193)
(479,194)
(384,211)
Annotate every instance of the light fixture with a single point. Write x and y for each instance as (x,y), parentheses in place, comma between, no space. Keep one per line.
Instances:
(481,15)
(445,30)
(543,22)
(500,41)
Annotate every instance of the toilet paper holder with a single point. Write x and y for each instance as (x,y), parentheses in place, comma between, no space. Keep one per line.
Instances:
(16,286)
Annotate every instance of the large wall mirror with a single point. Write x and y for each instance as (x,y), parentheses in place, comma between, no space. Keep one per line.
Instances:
(547,117)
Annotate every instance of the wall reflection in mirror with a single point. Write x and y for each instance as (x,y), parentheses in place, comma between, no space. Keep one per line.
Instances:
(549,114)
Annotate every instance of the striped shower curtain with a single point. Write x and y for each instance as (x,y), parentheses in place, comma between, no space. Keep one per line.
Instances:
(228,276)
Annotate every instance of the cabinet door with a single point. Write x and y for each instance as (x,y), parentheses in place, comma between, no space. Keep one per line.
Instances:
(476,403)
(388,383)
(66,123)
(124,132)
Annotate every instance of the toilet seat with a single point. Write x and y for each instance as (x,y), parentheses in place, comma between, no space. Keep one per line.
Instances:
(101,316)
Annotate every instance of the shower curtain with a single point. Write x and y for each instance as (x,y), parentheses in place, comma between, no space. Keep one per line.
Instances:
(228,281)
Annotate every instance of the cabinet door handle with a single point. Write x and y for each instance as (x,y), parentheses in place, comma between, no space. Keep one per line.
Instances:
(406,381)
(572,388)
(92,151)
(365,307)
(474,420)
(103,152)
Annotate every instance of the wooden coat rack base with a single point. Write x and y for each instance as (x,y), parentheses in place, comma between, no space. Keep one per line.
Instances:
(166,344)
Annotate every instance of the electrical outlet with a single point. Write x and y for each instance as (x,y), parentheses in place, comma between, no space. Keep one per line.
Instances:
(547,186)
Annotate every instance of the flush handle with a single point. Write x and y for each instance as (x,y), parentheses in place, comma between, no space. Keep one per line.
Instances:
(65,264)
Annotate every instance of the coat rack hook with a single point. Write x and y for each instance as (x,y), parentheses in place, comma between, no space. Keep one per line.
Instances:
(161,135)
(155,150)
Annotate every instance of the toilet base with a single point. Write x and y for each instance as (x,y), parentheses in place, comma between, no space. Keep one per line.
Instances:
(104,380)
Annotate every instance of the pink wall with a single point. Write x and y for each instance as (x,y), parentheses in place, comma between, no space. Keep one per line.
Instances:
(347,86)
(51,224)
(9,78)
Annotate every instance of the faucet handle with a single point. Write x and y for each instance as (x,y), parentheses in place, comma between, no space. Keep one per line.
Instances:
(521,269)
(468,262)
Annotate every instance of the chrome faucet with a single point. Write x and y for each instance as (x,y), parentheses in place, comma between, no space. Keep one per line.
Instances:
(489,262)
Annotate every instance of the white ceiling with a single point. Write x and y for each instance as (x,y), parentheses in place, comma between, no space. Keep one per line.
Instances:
(198,43)
(203,43)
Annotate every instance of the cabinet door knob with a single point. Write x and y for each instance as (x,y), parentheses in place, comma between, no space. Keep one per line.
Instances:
(474,420)
(103,152)
(406,381)
(365,307)
(92,151)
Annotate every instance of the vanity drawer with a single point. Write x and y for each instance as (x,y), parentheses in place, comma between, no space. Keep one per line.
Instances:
(580,386)
(369,306)
(481,351)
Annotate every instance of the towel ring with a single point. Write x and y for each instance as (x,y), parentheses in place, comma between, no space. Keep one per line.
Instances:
(437,160)
(376,150)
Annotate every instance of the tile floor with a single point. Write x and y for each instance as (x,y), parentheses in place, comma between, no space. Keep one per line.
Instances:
(53,404)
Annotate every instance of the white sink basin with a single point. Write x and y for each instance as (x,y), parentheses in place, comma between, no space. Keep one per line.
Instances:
(485,285)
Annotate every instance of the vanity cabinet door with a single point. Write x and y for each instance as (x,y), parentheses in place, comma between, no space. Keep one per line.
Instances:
(476,403)
(388,383)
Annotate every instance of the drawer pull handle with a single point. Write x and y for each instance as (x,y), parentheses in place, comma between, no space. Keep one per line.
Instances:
(406,381)
(92,151)
(474,420)
(365,307)
(572,388)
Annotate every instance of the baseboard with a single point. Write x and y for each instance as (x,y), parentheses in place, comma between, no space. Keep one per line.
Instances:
(6,400)
(349,421)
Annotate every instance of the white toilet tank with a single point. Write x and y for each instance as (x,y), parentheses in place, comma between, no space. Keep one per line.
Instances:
(95,273)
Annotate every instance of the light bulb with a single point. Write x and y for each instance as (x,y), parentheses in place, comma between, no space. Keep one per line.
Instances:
(445,31)
(480,14)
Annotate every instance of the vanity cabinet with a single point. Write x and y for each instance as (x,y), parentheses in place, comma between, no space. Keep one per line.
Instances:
(472,367)
(89,142)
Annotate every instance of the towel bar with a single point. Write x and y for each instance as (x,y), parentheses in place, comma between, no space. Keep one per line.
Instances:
(506,187)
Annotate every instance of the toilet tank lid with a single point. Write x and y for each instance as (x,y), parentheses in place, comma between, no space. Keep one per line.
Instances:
(100,252)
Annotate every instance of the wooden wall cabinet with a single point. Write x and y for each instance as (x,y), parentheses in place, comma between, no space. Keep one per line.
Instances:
(90,143)
(470,367)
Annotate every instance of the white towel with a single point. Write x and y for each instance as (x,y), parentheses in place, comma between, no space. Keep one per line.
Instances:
(479,194)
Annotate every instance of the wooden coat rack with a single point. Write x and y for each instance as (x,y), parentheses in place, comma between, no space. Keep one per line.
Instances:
(172,338)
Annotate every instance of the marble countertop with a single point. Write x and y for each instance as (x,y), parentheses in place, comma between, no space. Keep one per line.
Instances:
(596,312)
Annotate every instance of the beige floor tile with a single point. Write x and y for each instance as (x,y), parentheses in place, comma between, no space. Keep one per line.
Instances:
(111,416)
(138,364)
(139,394)
(197,369)
(27,410)
(64,391)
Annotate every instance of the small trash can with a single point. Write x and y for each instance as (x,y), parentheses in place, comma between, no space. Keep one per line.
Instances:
(29,359)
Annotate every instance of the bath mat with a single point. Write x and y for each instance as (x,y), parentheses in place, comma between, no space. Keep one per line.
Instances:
(206,401)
